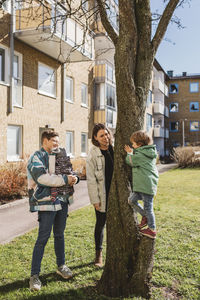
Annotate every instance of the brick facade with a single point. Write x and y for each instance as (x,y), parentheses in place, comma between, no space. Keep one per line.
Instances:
(184,109)
(39,110)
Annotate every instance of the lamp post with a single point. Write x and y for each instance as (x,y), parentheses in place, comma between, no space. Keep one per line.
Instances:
(183,131)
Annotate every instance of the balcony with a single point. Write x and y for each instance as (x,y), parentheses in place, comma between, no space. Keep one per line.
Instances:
(100,116)
(166,133)
(159,132)
(48,30)
(106,116)
(104,71)
(166,112)
(159,85)
(159,108)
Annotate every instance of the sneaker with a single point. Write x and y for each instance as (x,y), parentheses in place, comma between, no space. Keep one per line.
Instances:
(143,222)
(64,271)
(35,283)
(148,232)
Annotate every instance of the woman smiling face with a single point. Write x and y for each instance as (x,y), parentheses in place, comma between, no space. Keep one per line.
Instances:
(102,138)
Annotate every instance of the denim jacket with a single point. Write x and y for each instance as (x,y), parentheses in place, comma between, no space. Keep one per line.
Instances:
(40,181)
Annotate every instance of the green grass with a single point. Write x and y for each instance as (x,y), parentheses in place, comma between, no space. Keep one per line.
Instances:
(177,258)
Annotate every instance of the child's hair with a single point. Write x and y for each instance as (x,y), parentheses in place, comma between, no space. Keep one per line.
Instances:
(141,138)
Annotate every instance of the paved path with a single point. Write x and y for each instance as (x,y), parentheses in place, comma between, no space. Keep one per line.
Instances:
(15,218)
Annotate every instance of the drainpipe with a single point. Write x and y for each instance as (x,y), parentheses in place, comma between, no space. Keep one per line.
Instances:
(10,104)
(63,73)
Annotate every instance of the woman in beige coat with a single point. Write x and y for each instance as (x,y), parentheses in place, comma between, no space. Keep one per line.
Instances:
(99,170)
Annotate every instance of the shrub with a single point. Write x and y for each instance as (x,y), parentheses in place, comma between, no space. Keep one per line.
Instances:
(187,156)
(79,166)
(13,181)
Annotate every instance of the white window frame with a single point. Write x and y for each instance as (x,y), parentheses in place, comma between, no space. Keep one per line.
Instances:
(71,152)
(71,98)
(192,85)
(16,156)
(6,66)
(84,153)
(84,95)
(43,91)
(18,102)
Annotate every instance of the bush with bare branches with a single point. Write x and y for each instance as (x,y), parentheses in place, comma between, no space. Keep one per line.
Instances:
(187,156)
(13,181)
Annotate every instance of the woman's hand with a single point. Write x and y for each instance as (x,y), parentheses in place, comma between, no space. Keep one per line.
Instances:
(97,206)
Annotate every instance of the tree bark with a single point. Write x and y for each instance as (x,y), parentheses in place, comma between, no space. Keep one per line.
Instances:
(129,258)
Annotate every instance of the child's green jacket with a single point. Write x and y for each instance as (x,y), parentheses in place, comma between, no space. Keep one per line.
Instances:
(144,170)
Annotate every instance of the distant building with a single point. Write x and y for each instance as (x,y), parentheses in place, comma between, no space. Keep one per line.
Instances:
(184,113)
(160,110)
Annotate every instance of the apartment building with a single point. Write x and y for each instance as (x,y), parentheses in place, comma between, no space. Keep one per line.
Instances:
(104,92)
(44,78)
(184,114)
(104,97)
(160,110)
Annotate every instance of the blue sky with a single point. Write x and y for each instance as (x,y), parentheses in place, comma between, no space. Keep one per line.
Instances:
(182,54)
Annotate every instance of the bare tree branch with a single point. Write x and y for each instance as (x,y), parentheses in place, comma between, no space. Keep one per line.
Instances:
(164,21)
(104,18)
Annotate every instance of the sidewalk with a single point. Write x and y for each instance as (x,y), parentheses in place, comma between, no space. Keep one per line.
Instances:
(15,218)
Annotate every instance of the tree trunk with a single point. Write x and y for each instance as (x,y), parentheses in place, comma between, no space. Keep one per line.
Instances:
(129,258)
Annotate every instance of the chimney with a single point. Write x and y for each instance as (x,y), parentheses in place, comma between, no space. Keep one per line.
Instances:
(170,73)
(184,74)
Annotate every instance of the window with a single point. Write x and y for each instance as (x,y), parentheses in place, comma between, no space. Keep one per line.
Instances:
(194,126)
(174,126)
(84,94)
(14,143)
(83,143)
(194,106)
(109,72)
(194,87)
(110,95)
(2,64)
(173,88)
(70,143)
(173,107)
(149,122)
(69,89)
(149,98)
(113,16)
(46,80)
(109,116)
(17,77)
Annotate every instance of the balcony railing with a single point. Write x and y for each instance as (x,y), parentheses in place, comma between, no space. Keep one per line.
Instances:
(158,108)
(104,71)
(166,112)
(166,133)
(161,86)
(50,30)
(159,131)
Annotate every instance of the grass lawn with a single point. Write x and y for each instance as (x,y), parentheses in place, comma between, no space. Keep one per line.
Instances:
(177,258)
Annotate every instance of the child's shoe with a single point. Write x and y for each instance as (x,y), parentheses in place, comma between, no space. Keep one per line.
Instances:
(143,222)
(148,232)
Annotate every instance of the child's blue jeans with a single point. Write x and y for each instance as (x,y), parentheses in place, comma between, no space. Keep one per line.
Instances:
(147,211)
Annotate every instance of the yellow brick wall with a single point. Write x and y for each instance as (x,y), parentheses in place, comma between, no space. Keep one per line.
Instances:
(39,110)
(183,98)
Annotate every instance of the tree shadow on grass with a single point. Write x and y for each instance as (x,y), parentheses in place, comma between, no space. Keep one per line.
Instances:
(46,279)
